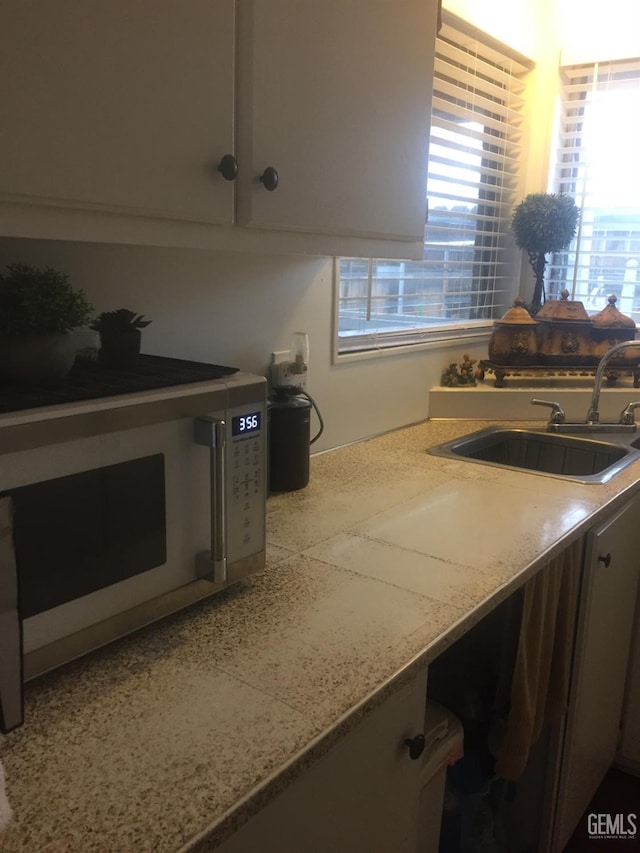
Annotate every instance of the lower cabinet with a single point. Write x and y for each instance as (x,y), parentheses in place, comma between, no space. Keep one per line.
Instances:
(361,797)
(605,626)
(629,753)
(364,795)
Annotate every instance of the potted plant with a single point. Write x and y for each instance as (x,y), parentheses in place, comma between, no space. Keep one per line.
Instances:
(543,223)
(38,309)
(120,336)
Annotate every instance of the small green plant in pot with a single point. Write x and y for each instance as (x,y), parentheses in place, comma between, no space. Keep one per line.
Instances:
(38,309)
(543,223)
(120,336)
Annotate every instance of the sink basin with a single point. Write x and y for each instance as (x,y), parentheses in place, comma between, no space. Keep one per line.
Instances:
(587,460)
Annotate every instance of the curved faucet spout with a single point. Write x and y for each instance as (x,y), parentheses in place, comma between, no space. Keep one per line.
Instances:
(593,415)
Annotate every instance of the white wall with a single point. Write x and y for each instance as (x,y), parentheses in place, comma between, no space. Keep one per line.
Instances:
(527,26)
(236,309)
(610,32)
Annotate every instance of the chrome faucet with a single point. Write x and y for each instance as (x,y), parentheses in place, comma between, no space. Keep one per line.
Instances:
(557,415)
(593,415)
(626,422)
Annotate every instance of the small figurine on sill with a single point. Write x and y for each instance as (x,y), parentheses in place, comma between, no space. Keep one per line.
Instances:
(459,374)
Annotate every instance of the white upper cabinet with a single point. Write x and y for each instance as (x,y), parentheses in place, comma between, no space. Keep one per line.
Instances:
(123,105)
(335,97)
(115,116)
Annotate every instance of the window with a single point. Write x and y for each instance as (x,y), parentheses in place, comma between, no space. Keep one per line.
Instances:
(464,280)
(597,164)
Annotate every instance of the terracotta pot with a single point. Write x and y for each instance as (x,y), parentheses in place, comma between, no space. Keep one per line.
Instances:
(120,349)
(37,358)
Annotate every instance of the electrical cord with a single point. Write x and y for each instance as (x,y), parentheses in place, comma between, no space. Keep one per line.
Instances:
(317,410)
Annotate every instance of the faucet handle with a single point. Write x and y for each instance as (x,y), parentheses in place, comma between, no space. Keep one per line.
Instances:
(626,416)
(557,415)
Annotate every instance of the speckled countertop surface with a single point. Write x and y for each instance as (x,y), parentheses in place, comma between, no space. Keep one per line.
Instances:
(169,739)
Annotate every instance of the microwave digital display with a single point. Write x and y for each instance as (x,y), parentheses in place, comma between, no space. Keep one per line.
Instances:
(245,424)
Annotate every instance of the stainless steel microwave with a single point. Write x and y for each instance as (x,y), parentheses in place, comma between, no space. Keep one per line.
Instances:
(120,511)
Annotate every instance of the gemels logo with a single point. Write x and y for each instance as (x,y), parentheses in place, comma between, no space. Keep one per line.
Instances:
(620,826)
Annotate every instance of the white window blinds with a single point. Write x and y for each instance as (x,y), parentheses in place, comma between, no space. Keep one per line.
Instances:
(597,164)
(474,158)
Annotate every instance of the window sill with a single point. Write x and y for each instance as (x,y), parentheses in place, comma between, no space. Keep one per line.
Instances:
(474,336)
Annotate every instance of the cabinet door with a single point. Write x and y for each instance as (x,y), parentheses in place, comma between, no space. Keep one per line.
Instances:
(123,105)
(602,652)
(630,743)
(362,797)
(336,97)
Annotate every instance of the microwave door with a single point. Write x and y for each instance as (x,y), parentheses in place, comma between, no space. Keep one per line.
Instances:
(11,694)
(212,565)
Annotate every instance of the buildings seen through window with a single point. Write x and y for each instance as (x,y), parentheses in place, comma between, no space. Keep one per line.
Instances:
(597,164)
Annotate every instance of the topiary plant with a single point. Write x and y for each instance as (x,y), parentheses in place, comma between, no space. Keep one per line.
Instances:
(544,223)
(35,302)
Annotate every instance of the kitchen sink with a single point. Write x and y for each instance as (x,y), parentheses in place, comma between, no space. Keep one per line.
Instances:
(571,457)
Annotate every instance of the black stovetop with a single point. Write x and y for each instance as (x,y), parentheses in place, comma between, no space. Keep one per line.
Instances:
(90,380)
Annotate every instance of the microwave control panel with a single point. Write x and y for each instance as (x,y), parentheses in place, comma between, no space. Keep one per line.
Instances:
(246,480)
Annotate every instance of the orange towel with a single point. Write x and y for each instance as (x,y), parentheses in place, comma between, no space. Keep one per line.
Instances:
(540,682)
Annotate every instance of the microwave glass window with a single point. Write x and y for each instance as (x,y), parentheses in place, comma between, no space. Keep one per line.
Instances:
(245,424)
(77,534)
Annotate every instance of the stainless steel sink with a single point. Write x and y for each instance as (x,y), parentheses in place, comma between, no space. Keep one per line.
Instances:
(570,457)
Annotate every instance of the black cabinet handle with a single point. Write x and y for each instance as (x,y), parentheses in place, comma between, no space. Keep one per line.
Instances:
(605,560)
(415,745)
(269,178)
(228,167)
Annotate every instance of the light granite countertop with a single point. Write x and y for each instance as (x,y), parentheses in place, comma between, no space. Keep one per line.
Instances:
(170,739)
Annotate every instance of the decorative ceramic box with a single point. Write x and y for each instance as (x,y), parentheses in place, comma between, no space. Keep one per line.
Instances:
(564,333)
(514,339)
(609,327)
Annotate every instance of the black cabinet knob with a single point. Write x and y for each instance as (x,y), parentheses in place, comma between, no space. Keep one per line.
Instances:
(415,746)
(606,559)
(228,167)
(269,178)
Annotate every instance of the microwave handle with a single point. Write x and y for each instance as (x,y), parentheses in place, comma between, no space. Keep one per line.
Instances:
(211,432)
(11,691)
